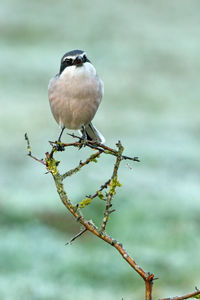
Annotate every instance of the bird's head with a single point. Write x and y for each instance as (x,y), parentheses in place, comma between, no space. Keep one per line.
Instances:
(73,58)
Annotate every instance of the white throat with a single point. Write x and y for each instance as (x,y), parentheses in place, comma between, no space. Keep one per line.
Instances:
(86,70)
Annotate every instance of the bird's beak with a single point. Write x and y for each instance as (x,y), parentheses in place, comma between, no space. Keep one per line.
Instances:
(78,61)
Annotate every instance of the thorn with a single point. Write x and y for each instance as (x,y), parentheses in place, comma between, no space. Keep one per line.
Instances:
(76,236)
(129,166)
(113,242)
(52,143)
(111,211)
(156,278)
(75,208)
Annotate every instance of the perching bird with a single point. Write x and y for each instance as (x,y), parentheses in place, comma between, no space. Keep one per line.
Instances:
(75,94)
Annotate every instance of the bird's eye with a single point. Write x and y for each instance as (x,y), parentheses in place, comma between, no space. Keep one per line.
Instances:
(84,58)
(68,61)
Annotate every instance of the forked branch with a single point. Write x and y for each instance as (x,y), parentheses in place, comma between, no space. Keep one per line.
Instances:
(106,192)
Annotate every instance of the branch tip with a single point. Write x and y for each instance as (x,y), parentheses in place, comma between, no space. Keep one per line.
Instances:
(28,143)
(76,236)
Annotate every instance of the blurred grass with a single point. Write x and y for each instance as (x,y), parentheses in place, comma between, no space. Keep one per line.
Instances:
(147,54)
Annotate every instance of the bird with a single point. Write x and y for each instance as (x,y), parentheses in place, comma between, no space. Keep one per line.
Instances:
(75,94)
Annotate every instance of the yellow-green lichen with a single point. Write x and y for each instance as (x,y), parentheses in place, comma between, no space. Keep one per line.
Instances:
(85,202)
(71,206)
(52,165)
(108,152)
(113,184)
(60,188)
(93,157)
(100,195)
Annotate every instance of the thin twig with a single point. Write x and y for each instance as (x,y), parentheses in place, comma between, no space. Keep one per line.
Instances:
(75,144)
(93,157)
(30,152)
(104,186)
(76,236)
(28,144)
(187,296)
(97,146)
(39,160)
(113,185)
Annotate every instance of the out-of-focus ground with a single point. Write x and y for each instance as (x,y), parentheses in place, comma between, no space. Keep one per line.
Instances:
(147,53)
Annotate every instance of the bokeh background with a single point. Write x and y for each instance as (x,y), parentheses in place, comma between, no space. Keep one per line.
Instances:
(147,53)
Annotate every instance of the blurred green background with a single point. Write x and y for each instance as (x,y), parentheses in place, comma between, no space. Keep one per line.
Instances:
(147,53)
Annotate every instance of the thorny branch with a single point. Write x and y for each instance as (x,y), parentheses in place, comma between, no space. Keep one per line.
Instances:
(76,210)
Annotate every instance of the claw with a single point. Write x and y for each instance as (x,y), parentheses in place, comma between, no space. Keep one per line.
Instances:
(83,139)
(59,146)
(83,142)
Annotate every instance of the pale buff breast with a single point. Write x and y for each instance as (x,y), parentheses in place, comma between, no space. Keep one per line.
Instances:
(75,95)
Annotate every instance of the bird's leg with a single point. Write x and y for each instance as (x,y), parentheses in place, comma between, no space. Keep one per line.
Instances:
(83,139)
(59,139)
(84,134)
(59,146)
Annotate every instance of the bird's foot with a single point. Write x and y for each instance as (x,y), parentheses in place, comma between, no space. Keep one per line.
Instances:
(83,142)
(83,139)
(59,146)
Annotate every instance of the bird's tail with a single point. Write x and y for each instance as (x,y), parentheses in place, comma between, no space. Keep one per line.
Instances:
(93,134)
